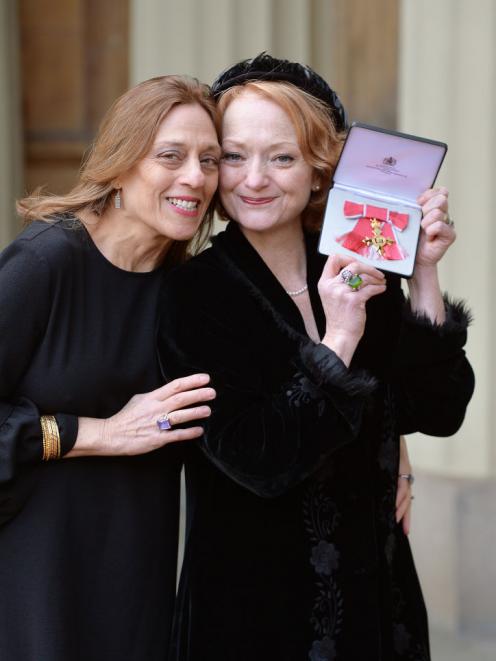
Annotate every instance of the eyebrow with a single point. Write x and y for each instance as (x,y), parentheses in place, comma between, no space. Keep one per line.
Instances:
(275,145)
(161,145)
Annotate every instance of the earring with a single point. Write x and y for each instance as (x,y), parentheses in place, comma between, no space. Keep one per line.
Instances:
(117,199)
(315,188)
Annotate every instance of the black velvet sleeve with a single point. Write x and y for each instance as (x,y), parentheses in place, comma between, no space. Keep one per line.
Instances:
(434,380)
(24,313)
(265,437)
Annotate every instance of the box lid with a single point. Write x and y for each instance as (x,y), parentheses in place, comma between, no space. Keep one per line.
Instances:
(388,163)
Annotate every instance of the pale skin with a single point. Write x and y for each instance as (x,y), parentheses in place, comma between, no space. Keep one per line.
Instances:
(265,185)
(164,197)
(404,492)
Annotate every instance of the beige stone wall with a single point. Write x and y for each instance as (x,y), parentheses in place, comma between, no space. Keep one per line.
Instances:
(201,37)
(448,91)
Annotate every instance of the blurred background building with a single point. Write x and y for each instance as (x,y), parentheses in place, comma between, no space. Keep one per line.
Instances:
(422,66)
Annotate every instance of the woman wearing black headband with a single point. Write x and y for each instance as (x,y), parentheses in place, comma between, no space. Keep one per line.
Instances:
(293,549)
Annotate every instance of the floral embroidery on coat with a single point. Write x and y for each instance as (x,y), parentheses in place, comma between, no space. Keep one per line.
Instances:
(321,517)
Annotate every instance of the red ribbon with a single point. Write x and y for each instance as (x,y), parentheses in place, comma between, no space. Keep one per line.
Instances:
(354,240)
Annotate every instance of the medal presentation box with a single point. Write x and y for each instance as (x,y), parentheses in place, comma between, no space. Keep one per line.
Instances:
(372,213)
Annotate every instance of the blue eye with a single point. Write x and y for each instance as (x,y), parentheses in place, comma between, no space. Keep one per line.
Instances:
(284,159)
(231,157)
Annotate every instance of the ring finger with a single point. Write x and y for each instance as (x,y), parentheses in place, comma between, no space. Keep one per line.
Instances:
(186,415)
(359,280)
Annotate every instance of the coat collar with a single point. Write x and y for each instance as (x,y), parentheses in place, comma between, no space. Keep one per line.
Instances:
(233,246)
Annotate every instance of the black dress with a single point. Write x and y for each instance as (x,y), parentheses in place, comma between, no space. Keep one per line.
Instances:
(87,545)
(292,548)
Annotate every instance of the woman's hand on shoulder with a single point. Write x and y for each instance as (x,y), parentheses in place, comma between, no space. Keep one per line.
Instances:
(135,430)
(344,306)
(437,232)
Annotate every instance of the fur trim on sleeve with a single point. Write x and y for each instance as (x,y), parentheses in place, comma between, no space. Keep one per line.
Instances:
(458,317)
(327,370)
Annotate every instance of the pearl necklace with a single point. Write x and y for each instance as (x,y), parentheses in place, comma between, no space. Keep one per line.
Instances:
(297,292)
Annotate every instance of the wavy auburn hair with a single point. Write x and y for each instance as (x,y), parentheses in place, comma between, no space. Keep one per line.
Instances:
(125,136)
(318,139)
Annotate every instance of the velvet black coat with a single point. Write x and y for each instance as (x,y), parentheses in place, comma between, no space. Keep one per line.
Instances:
(293,551)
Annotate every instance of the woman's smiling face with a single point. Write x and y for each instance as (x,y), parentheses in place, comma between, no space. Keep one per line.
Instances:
(169,190)
(265,182)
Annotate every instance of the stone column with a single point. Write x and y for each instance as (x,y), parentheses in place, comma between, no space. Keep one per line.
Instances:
(201,37)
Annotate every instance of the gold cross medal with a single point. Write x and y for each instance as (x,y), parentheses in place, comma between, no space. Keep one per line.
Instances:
(378,241)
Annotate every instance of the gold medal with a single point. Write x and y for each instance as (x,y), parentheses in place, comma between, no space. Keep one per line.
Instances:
(377,241)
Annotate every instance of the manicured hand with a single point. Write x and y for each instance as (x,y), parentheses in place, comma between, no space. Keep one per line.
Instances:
(134,430)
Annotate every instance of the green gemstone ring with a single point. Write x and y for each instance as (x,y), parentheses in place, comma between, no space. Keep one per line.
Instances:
(353,280)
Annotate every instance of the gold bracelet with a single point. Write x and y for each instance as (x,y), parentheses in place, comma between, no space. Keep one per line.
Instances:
(51,437)
(55,436)
(45,437)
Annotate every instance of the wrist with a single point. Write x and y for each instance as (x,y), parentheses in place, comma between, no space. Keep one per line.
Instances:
(425,293)
(424,275)
(343,345)
(92,438)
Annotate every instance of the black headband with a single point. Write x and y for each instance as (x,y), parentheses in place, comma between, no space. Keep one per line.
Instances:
(265,67)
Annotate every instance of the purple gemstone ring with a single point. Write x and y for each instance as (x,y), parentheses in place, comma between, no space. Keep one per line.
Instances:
(163,423)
